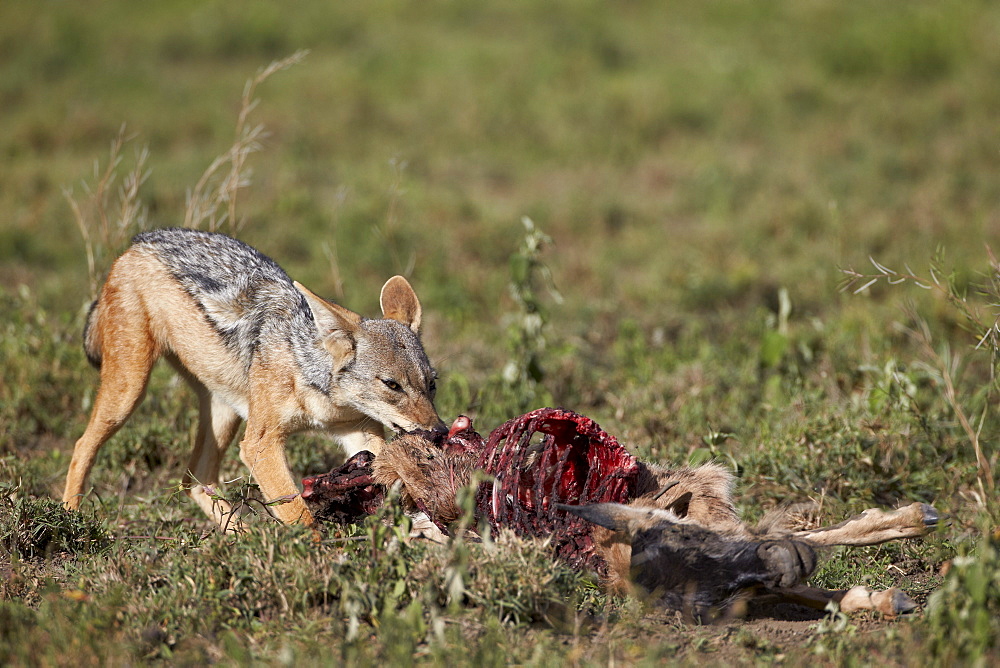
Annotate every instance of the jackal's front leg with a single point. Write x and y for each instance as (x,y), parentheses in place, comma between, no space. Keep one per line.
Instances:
(217,426)
(263,452)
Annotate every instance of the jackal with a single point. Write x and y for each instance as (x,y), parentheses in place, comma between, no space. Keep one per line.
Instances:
(256,346)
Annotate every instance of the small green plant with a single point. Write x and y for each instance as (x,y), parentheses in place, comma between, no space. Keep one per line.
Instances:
(963,615)
(835,635)
(895,387)
(776,340)
(520,385)
(713,442)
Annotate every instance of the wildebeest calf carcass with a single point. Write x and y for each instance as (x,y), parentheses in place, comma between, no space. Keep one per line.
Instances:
(673,534)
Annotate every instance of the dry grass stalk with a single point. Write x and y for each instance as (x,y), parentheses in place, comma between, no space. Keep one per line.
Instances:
(947,364)
(988,335)
(107,218)
(213,199)
(117,216)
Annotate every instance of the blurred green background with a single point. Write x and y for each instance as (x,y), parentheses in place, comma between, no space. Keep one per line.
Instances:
(683,156)
(704,171)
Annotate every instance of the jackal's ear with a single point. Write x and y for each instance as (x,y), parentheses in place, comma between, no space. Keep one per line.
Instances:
(335,325)
(614,516)
(399,302)
(329,316)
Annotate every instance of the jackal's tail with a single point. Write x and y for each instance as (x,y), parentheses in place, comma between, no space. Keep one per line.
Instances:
(92,336)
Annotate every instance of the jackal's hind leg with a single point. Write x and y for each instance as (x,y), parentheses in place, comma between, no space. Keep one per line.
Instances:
(217,426)
(125,368)
(876,526)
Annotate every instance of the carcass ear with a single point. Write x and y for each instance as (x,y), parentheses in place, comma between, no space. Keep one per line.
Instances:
(680,505)
(614,516)
(399,302)
(335,325)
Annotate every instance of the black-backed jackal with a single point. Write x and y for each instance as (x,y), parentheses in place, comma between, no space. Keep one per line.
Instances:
(256,346)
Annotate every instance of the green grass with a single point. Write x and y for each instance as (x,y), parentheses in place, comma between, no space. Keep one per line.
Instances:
(704,171)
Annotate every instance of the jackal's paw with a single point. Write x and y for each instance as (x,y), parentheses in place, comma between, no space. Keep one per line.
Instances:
(788,562)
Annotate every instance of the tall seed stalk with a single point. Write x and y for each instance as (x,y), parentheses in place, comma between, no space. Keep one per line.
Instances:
(983,320)
(106,217)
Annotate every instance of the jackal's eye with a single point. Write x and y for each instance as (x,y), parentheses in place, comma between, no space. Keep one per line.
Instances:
(392,385)
(432,388)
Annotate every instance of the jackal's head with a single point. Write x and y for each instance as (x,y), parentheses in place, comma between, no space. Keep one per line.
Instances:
(379,365)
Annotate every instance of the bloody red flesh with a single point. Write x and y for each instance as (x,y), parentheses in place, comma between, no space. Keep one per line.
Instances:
(345,495)
(547,457)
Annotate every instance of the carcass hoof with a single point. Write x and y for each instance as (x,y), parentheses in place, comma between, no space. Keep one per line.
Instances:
(891,602)
(901,603)
(931,515)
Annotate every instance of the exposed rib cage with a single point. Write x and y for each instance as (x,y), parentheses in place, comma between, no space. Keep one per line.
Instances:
(547,457)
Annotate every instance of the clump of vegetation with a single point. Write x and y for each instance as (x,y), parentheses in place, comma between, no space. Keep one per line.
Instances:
(980,317)
(520,384)
(505,577)
(963,615)
(31,528)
